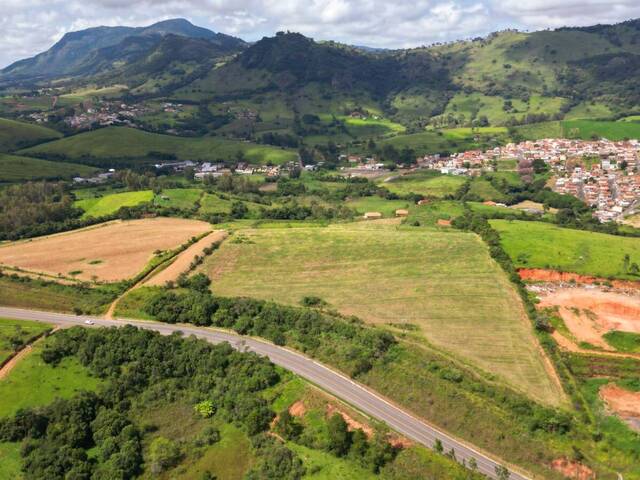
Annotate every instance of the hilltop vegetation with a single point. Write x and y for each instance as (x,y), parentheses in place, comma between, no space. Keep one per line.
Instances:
(15,135)
(120,145)
(15,168)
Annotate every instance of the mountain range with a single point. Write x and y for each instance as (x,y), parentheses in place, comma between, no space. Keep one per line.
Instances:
(505,76)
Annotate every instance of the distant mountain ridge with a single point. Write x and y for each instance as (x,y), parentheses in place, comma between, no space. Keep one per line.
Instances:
(79,53)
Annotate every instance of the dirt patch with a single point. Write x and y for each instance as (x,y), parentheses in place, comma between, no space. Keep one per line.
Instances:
(623,403)
(298,409)
(590,313)
(352,424)
(183,261)
(122,248)
(444,223)
(572,469)
(542,275)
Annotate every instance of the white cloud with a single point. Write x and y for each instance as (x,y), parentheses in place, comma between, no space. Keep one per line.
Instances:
(28,27)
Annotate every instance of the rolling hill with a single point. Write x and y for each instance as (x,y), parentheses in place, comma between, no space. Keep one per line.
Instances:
(14,134)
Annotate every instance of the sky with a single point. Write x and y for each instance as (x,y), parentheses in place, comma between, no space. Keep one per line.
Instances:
(28,27)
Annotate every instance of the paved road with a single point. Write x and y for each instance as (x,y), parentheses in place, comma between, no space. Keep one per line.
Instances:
(335,383)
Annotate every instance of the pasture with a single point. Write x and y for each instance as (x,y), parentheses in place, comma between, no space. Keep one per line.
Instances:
(544,245)
(101,206)
(182,198)
(109,252)
(14,134)
(63,381)
(14,168)
(377,204)
(443,282)
(14,333)
(123,142)
(428,184)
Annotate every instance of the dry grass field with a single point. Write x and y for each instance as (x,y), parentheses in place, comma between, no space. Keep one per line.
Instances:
(443,282)
(182,261)
(110,252)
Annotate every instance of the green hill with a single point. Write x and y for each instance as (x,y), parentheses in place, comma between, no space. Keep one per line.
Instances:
(14,134)
(14,168)
(108,144)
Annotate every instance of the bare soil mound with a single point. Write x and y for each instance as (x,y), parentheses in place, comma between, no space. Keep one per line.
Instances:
(623,403)
(590,313)
(542,275)
(572,469)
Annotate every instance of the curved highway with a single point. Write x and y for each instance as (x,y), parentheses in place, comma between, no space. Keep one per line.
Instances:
(333,382)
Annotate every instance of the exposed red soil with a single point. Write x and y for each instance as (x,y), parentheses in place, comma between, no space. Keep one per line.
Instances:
(542,275)
(444,223)
(590,313)
(572,469)
(623,403)
(298,409)
(352,424)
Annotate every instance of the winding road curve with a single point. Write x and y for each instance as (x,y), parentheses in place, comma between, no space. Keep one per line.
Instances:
(333,382)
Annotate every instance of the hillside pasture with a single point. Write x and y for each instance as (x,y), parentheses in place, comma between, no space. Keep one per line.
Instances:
(15,134)
(109,252)
(182,198)
(123,142)
(443,282)
(101,206)
(14,168)
(544,245)
(429,184)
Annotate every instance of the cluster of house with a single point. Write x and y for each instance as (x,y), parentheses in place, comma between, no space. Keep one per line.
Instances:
(105,114)
(602,173)
(210,169)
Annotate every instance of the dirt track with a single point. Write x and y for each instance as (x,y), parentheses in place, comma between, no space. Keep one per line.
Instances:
(182,262)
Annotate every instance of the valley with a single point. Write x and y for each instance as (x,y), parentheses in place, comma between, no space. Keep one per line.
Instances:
(301,259)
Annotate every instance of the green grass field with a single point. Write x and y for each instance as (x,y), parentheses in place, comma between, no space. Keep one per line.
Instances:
(544,245)
(10,462)
(377,204)
(14,168)
(21,330)
(628,342)
(585,129)
(324,466)
(101,206)
(444,282)
(14,134)
(485,190)
(429,185)
(18,389)
(122,142)
(429,214)
(183,198)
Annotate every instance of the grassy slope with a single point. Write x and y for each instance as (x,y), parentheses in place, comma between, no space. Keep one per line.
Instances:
(184,198)
(17,390)
(21,329)
(57,298)
(377,204)
(543,245)
(119,142)
(15,134)
(427,185)
(15,168)
(98,207)
(444,282)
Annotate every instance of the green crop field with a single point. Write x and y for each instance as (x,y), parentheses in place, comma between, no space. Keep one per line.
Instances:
(14,168)
(444,282)
(17,389)
(122,142)
(429,185)
(183,198)
(544,245)
(14,134)
(101,206)
(19,331)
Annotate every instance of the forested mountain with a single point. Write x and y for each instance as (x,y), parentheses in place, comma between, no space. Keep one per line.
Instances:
(95,50)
